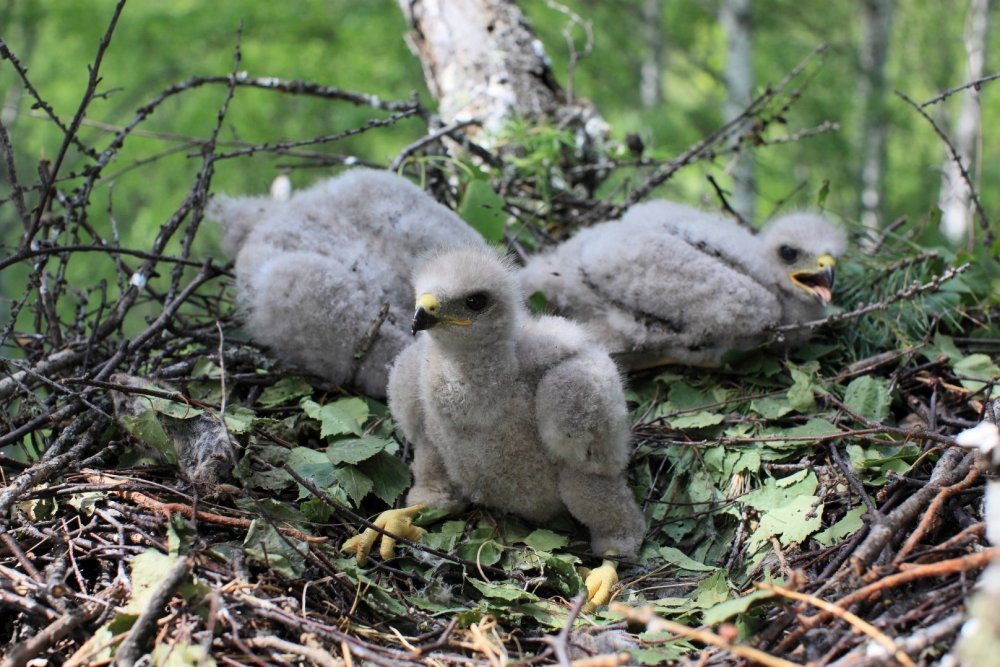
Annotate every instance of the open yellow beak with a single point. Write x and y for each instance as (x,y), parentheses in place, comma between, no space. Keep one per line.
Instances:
(818,283)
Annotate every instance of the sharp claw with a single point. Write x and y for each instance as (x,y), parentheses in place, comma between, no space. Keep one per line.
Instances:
(360,545)
(398,522)
(599,583)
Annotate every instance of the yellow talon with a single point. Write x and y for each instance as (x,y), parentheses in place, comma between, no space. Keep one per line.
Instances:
(599,583)
(397,522)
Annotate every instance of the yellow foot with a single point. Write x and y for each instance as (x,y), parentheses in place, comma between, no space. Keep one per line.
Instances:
(599,582)
(398,522)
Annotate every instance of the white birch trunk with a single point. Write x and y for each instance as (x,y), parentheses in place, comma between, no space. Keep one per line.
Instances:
(734,15)
(481,61)
(876,27)
(651,73)
(955,200)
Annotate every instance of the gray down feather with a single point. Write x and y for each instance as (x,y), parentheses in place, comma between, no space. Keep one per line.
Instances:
(313,272)
(668,283)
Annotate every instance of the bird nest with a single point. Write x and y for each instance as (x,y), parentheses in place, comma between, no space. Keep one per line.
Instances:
(169,490)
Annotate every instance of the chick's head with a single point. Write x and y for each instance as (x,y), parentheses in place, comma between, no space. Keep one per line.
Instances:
(466,297)
(802,250)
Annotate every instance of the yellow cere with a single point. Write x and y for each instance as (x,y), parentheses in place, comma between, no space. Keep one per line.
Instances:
(428,302)
(824,261)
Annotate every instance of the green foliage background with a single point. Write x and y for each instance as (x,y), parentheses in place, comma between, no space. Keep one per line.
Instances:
(722,442)
(359,46)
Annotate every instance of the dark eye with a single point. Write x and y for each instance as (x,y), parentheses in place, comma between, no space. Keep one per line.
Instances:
(476,301)
(788,253)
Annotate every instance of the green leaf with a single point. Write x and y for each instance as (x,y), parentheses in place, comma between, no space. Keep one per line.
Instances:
(545,540)
(562,575)
(146,427)
(847,526)
(814,428)
(482,208)
(976,370)
(316,510)
(869,397)
(711,590)
(883,458)
(181,534)
(175,409)
(661,654)
(239,419)
(744,459)
(342,417)
(824,192)
(685,397)
(696,420)
(312,465)
(502,591)
(800,395)
(284,390)
(281,553)
(726,610)
(547,613)
(389,474)
(776,493)
(272,508)
(356,450)
(148,569)
(354,482)
(771,407)
(267,479)
(791,523)
(39,509)
(481,547)
(943,345)
(446,538)
(86,502)
(682,561)
(180,653)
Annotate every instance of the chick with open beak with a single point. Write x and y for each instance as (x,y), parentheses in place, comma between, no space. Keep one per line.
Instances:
(818,282)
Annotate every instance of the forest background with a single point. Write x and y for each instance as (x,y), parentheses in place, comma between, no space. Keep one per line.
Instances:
(854,423)
(656,69)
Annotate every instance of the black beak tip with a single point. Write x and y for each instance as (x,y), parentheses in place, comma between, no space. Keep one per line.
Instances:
(422,320)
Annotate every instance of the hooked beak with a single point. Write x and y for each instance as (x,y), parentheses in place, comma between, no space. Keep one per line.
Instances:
(422,319)
(818,283)
(425,316)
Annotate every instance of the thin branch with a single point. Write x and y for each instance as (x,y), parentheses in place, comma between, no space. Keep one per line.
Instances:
(984,221)
(905,293)
(93,80)
(977,84)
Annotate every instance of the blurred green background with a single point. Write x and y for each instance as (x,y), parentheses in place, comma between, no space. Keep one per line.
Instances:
(360,46)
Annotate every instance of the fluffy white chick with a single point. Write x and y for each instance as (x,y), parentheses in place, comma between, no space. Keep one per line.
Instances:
(668,283)
(512,411)
(314,272)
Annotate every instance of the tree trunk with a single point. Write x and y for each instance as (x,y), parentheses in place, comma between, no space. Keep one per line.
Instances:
(876,24)
(651,73)
(482,61)
(734,15)
(954,201)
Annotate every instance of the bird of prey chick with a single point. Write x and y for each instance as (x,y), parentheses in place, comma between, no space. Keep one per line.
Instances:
(508,410)
(668,283)
(324,276)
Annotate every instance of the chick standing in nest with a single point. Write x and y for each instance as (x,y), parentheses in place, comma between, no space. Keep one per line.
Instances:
(511,411)
(668,283)
(324,275)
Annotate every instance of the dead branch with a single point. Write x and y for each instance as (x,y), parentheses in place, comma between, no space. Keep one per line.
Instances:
(133,646)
